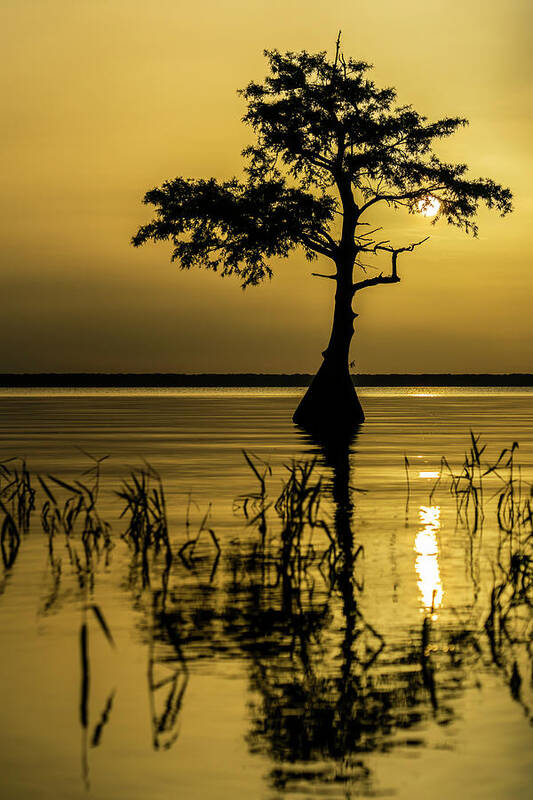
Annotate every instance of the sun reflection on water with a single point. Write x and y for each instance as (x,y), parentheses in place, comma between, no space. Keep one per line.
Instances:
(427,560)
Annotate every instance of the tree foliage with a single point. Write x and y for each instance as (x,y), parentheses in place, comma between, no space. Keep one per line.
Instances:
(329,146)
(232,227)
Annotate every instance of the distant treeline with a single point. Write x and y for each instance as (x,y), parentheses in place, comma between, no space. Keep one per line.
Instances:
(95,379)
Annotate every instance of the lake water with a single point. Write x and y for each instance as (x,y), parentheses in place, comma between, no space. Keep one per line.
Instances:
(372,639)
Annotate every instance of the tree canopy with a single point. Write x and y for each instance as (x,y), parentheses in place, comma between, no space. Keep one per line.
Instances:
(329,146)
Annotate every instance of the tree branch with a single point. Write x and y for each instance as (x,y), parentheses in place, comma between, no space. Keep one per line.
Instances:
(329,239)
(317,247)
(379,279)
(319,275)
(394,198)
(407,249)
(393,277)
(368,234)
(317,160)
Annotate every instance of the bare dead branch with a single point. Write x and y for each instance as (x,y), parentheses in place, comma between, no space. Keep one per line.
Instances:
(407,249)
(379,279)
(393,277)
(367,234)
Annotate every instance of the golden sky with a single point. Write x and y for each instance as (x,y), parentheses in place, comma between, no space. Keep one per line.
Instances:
(102,100)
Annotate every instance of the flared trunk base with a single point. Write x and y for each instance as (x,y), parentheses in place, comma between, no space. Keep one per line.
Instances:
(330,404)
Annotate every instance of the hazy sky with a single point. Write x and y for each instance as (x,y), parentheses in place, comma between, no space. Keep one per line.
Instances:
(102,100)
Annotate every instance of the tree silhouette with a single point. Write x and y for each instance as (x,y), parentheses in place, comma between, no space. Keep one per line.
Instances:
(330,147)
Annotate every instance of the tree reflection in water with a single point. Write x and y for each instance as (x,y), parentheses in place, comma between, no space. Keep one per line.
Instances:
(341,693)
(326,689)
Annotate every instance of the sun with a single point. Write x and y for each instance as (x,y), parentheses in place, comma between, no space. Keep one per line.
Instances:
(429,206)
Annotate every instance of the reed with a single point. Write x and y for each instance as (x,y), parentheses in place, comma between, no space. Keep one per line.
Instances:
(255,505)
(286,553)
(467,485)
(70,508)
(145,508)
(187,550)
(299,509)
(17,501)
(509,611)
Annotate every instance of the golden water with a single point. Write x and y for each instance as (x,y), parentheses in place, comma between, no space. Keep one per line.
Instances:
(383,684)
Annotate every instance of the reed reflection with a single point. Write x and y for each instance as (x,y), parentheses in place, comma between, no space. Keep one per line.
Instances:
(325,687)
(17,502)
(286,597)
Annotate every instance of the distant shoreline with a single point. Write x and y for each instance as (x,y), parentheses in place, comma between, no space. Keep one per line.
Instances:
(170,380)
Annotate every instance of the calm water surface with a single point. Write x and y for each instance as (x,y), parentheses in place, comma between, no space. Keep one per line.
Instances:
(392,659)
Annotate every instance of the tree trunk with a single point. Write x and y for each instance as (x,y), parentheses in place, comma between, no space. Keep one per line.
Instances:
(331,402)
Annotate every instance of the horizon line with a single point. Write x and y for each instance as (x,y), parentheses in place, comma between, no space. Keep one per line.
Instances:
(252,379)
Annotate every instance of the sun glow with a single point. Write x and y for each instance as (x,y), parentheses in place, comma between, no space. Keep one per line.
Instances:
(429,206)
(427,560)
